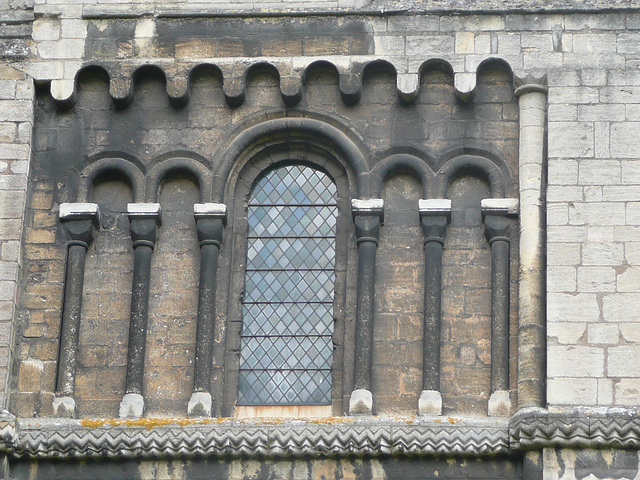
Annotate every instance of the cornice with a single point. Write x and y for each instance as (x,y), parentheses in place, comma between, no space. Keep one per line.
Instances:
(532,429)
(63,438)
(529,429)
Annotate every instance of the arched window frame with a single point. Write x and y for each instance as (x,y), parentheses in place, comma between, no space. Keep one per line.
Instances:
(241,182)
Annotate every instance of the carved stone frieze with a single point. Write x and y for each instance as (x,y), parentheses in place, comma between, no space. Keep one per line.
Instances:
(330,437)
(529,429)
(537,428)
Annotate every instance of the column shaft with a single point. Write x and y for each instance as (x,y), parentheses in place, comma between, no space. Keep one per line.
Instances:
(210,219)
(434,216)
(432,315)
(206,317)
(532,99)
(138,321)
(364,314)
(71,311)
(144,219)
(78,219)
(499,315)
(368,216)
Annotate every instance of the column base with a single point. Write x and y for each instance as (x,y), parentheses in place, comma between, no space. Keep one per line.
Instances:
(361,402)
(132,406)
(199,404)
(430,403)
(499,404)
(64,407)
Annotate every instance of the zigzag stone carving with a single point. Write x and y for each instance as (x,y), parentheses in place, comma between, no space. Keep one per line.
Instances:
(609,427)
(529,429)
(291,438)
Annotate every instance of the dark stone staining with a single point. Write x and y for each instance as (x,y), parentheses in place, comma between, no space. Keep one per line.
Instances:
(106,305)
(368,233)
(434,228)
(168,376)
(108,40)
(151,126)
(497,231)
(458,468)
(263,89)
(617,464)
(466,301)
(210,236)
(278,37)
(393,468)
(397,359)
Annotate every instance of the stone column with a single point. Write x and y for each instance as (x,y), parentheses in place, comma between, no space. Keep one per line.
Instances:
(532,99)
(434,216)
(368,215)
(496,213)
(145,220)
(79,220)
(210,219)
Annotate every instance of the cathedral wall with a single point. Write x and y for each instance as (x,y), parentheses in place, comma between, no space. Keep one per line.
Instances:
(591,60)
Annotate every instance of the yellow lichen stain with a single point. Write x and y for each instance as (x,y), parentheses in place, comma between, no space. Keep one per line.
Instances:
(451,420)
(150,423)
(331,420)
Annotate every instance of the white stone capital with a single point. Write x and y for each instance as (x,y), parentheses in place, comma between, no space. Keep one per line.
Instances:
(144,210)
(500,206)
(80,211)
(434,207)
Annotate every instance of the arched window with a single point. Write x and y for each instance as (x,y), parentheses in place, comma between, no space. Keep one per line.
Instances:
(287,317)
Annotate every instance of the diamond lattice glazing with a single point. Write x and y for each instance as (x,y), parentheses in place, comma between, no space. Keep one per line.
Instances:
(286,348)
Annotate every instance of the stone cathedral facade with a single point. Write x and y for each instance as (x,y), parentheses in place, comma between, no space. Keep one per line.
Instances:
(357,239)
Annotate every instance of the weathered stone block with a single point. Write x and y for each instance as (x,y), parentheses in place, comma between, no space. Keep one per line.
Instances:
(624,361)
(575,361)
(603,334)
(572,391)
(571,139)
(582,307)
(621,307)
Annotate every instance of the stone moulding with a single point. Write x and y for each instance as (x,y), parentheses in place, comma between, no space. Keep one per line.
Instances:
(291,73)
(64,438)
(529,429)
(532,429)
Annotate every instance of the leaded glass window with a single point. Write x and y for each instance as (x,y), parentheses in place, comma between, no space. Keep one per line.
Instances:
(287,316)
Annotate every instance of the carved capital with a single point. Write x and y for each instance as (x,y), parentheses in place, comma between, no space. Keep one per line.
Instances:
(144,219)
(497,213)
(530,84)
(496,228)
(79,220)
(368,215)
(211,219)
(434,216)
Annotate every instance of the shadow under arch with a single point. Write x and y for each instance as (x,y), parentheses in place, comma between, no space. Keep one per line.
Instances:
(107,165)
(481,162)
(398,162)
(193,168)
(301,131)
